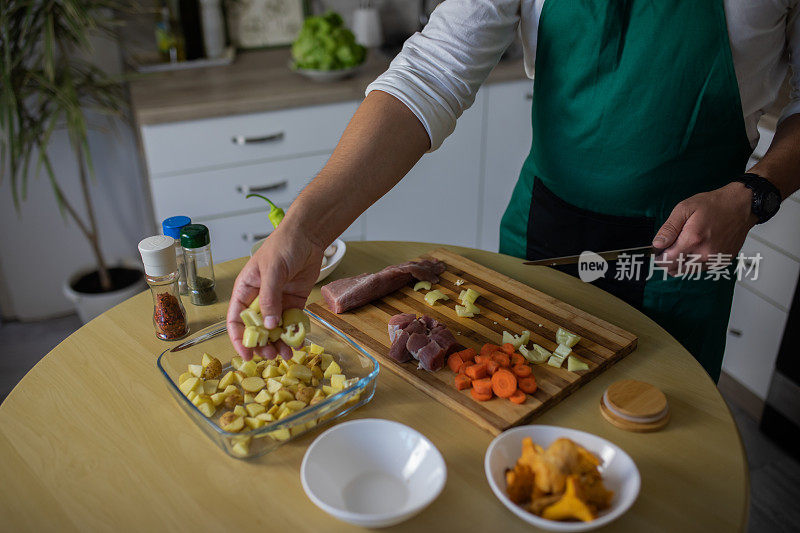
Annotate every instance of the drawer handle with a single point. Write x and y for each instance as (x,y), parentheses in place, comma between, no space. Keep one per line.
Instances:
(250,237)
(247,189)
(529,96)
(241,140)
(735,332)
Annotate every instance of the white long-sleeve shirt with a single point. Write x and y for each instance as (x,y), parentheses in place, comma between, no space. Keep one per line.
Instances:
(440,69)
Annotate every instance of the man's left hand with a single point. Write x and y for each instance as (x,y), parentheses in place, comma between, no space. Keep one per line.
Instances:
(714,222)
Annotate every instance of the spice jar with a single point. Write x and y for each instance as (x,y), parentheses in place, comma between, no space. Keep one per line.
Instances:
(161,273)
(172,227)
(196,244)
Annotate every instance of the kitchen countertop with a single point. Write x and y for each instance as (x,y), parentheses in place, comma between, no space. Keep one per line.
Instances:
(91,438)
(256,81)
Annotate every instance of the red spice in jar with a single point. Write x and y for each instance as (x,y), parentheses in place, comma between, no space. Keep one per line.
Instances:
(169,317)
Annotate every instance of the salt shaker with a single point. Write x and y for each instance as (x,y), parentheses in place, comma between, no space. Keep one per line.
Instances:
(172,228)
(161,273)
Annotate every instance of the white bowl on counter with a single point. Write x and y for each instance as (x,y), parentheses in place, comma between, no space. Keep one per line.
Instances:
(372,473)
(331,262)
(618,470)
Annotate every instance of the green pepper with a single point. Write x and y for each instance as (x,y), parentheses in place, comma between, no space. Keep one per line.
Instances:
(276,214)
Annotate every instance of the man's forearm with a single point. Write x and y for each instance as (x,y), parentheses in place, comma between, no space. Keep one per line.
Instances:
(781,164)
(383,141)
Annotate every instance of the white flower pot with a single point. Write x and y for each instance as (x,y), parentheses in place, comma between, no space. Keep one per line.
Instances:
(91,305)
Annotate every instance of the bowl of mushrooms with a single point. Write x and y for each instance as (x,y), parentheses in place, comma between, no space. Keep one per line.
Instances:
(330,260)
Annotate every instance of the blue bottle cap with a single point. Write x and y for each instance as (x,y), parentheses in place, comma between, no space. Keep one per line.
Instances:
(172,226)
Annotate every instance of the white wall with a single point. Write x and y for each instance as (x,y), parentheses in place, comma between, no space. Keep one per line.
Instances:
(39,249)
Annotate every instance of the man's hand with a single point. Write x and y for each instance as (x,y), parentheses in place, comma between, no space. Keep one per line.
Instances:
(282,273)
(714,222)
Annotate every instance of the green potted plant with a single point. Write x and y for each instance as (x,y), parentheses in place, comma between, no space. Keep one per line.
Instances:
(47,85)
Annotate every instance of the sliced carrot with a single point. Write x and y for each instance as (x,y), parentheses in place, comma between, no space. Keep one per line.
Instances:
(464,366)
(491,367)
(476,372)
(466,355)
(504,383)
(480,397)
(482,386)
(489,349)
(508,348)
(517,359)
(521,371)
(501,359)
(518,397)
(463,382)
(482,358)
(527,385)
(454,362)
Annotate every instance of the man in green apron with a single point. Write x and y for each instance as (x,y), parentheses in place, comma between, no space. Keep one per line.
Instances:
(638,137)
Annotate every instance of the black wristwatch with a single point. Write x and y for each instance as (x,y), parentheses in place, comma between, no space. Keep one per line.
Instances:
(766,197)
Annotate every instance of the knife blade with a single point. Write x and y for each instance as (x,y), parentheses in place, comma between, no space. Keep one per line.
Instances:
(610,255)
(220,329)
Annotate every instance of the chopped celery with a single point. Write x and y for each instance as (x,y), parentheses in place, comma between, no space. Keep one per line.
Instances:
(472,308)
(469,295)
(255,305)
(263,336)
(574,364)
(567,338)
(294,316)
(422,285)
(562,351)
(521,340)
(275,334)
(464,312)
(555,361)
(432,297)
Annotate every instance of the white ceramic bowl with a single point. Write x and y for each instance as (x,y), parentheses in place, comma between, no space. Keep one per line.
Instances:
(372,473)
(618,469)
(331,264)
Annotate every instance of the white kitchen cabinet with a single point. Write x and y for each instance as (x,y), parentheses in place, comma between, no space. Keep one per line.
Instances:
(508,141)
(777,273)
(439,199)
(181,147)
(783,230)
(755,330)
(216,191)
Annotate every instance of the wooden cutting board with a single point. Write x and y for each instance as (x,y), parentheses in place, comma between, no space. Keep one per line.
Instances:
(505,304)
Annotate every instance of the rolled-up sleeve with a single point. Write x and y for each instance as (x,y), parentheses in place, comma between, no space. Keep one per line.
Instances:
(440,69)
(793,44)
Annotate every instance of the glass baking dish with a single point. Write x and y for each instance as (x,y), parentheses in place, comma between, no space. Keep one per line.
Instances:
(354,361)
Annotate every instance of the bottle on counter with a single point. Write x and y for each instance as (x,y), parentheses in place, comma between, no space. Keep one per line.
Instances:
(161,273)
(172,227)
(196,244)
(191,27)
(169,39)
(213,28)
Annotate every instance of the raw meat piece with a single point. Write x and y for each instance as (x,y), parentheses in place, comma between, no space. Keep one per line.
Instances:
(430,323)
(416,341)
(345,294)
(398,323)
(417,326)
(431,357)
(398,350)
(444,338)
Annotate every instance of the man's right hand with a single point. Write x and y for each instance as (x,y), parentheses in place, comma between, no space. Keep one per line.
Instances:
(282,273)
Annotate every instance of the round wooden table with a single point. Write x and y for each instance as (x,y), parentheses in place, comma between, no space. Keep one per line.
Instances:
(91,439)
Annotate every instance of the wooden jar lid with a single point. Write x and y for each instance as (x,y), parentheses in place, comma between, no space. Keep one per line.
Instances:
(635,406)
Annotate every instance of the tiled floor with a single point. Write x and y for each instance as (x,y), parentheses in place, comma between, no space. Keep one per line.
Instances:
(774,475)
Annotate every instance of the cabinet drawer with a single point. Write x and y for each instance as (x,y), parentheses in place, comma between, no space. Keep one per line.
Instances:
(216,192)
(777,273)
(233,236)
(755,330)
(183,146)
(781,230)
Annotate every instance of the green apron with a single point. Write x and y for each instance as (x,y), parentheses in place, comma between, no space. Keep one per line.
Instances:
(636,107)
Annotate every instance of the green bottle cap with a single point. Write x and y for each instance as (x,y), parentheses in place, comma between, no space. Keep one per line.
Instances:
(194,236)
